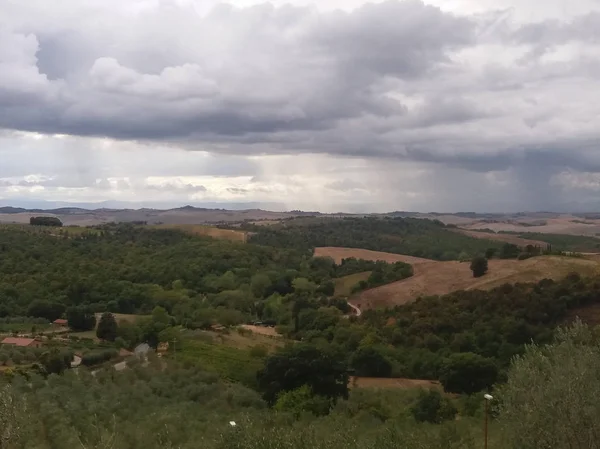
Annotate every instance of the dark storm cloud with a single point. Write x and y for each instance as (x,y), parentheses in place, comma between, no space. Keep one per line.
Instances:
(326,69)
(394,81)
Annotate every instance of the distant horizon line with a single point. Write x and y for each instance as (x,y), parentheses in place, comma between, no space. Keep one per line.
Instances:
(222,206)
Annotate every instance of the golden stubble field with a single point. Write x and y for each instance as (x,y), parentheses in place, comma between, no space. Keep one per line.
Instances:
(438,278)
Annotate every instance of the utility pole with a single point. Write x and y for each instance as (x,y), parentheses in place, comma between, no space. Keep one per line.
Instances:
(488,398)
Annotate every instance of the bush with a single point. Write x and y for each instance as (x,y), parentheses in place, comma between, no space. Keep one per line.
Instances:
(302,400)
(432,407)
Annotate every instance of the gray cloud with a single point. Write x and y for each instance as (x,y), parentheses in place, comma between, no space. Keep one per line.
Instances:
(325,68)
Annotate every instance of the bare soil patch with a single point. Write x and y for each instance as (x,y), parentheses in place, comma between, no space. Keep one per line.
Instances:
(337,254)
(506,238)
(268,331)
(439,278)
(402,383)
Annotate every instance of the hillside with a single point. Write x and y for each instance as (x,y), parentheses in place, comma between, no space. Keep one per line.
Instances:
(505,238)
(338,254)
(439,278)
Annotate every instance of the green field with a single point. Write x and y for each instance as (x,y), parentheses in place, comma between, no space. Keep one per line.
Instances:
(344,285)
(230,363)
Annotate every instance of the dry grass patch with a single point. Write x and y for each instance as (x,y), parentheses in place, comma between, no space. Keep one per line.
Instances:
(261,330)
(208,231)
(337,254)
(439,278)
(399,383)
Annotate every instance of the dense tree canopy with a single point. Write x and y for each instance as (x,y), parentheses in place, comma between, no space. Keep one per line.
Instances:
(421,238)
(45,221)
(298,365)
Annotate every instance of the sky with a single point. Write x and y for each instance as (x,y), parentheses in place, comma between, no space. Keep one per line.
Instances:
(329,105)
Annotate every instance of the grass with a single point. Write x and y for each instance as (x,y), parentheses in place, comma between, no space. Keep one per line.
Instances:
(21,328)
(209,231)
(344,285)
(230,363)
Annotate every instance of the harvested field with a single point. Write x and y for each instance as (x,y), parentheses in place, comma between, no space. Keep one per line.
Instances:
(439,278)
(562,225)
(209,231)
(384,382)
(506,238)
(337,254)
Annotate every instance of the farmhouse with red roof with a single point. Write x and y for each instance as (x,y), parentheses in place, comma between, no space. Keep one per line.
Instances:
(21,342)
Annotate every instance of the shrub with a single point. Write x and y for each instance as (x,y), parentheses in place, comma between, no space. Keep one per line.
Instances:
(432,407)
(302,400)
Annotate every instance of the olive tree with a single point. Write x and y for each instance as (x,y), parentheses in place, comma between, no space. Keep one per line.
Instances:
(551,397)
(11,414)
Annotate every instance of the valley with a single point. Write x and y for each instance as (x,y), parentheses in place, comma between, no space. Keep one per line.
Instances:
(234,306)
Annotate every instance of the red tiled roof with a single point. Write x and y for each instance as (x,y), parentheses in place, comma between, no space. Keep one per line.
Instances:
(60,321)
(17,341)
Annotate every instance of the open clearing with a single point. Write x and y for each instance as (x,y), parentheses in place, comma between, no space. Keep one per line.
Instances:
(240,340)
(384,382)
(209,231)
(506,238)
(261,330)
(439,278)
(343,285)
(337,254)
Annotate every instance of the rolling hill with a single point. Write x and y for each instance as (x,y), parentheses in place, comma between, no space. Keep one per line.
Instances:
(439,278)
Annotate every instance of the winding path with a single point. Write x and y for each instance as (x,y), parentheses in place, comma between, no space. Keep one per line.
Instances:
(357,311)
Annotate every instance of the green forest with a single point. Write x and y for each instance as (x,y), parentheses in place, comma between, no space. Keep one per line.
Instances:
(293,390)
(430,239)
